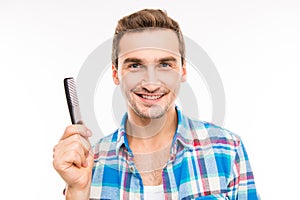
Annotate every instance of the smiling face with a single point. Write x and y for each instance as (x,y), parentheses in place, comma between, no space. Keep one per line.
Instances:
(149,71)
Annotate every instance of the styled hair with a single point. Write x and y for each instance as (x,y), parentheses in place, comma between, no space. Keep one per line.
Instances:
(140,21)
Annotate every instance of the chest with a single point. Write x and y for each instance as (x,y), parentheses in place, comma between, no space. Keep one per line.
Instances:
(187,175)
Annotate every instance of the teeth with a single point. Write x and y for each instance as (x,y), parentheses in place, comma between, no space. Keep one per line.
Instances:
(153,97)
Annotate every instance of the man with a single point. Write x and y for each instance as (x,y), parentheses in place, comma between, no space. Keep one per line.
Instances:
(157,152)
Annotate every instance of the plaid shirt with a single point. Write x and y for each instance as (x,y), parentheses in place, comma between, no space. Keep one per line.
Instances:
(206,162)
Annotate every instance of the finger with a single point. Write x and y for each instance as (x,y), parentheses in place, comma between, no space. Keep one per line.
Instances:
(74,154)
(86,143)
(74,157)
(76,129)
(73,142)
(82,144)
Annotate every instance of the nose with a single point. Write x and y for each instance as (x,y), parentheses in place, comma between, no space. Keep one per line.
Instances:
(151,81)
(150,87)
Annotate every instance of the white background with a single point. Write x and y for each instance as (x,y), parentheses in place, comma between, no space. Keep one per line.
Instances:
(255,46)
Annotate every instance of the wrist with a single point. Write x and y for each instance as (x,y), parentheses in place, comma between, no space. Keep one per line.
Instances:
(73,193)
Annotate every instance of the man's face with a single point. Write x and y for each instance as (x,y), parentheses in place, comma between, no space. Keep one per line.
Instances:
(149,71)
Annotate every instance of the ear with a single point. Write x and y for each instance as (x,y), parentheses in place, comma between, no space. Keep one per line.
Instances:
(115,75)
(183,75)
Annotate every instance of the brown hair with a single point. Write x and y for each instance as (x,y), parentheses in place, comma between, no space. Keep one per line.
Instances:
(141,20)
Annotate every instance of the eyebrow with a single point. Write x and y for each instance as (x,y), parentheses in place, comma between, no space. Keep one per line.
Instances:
(132,60)
(167,59)
(138,60)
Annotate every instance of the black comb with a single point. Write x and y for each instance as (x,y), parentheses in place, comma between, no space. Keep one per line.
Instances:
(72,100)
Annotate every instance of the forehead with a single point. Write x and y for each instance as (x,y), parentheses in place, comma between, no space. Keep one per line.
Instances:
(162,39)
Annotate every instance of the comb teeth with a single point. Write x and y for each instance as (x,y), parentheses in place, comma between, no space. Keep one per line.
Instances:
(73,93)
(72,100)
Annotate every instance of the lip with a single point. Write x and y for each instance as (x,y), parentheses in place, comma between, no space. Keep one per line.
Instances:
(149,100)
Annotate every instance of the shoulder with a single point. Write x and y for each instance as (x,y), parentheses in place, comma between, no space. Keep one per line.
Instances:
(209,134)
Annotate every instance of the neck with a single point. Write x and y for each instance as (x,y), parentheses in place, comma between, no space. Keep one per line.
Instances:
(147,135)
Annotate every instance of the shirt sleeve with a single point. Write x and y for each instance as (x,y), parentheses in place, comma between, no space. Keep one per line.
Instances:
(241,184)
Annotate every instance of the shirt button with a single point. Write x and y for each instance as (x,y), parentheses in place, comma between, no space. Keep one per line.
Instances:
(131,168)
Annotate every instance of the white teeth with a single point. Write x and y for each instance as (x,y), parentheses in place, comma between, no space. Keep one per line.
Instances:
(154,97)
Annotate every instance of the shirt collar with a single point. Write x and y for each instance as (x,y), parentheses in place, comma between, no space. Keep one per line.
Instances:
(121,135)
(183,134)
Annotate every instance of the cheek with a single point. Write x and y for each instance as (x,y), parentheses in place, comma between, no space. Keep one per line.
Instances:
(171,79)
(129,81)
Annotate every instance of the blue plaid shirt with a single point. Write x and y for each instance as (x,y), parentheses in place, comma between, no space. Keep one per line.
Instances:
(206,162)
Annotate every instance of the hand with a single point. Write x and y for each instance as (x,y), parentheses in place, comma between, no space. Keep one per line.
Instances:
(73,159)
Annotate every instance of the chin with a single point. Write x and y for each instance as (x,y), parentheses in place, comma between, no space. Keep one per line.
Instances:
(153,112)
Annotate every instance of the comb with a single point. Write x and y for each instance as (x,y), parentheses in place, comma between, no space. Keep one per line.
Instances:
(72,100)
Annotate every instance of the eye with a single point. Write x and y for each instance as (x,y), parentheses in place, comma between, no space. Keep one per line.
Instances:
(134,66)
(165,65)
